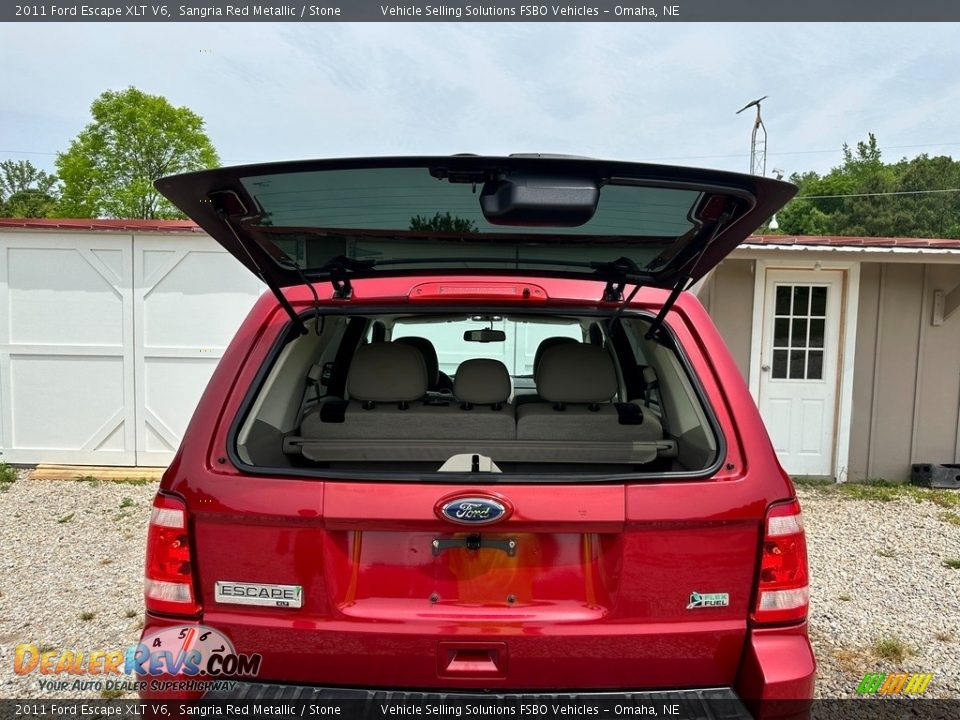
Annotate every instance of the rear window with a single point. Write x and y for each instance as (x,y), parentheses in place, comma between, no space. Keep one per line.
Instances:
(519,396)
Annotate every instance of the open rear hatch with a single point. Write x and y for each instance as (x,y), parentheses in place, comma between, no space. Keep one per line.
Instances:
(307,221)
(478,585)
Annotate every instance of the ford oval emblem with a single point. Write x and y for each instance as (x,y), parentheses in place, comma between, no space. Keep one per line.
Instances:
(473,510)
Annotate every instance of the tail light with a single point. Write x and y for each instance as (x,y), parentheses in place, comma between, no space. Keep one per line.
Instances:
(168,586)
(783,594)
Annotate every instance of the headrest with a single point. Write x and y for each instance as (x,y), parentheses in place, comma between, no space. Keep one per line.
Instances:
(429,353)
(576,373)
(482,382)
(545,344)
(387,372)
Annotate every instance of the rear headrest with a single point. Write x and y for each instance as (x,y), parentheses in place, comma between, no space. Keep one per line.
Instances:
(387,372)
(429,353)
(576,373)
(482,382)
(546,344)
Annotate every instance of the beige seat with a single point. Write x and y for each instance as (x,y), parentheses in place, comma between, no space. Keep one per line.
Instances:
(386,383)
(577,383)
(482,388)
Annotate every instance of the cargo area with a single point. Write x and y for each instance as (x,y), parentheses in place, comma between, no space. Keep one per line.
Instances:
(478,392)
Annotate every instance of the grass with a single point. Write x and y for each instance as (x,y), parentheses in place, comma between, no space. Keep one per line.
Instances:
(131,613)
(950,517)
(881,491)
(849,660)
(886,552)
(952,563)
(127,502)
(86,615)
(845,597)
(891,648)
(8,474)
(943,636)
(111,694)
(66,518)
(124,481)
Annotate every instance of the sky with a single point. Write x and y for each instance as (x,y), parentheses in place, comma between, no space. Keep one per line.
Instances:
(644,92)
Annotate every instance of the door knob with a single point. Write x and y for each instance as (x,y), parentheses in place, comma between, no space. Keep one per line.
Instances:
(765,368)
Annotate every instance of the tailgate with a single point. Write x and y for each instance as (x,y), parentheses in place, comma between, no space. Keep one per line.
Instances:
(651,584)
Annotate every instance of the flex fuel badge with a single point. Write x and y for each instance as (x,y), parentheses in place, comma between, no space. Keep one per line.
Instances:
(703,600)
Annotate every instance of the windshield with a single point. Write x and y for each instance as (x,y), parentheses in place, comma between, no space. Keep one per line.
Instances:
(517,351)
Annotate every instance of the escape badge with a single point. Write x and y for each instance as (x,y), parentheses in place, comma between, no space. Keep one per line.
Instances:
(702,600)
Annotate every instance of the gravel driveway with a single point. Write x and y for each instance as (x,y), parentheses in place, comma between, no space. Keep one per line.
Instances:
(882,597)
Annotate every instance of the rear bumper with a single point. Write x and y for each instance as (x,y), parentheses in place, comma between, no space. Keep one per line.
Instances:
(701,704)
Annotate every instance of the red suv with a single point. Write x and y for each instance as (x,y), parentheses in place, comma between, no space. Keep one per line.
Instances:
(477,439)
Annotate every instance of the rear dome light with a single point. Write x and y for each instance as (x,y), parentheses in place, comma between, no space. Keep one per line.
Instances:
(168,585)
(783,593)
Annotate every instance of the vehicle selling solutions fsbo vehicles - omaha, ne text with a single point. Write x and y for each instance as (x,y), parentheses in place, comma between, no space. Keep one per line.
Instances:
(478,439)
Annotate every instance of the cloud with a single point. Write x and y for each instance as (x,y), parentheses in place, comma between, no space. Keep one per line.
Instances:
(631,90)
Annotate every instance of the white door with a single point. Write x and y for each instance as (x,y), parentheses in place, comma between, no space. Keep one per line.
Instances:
(190,297)
(66,350)
(799,367)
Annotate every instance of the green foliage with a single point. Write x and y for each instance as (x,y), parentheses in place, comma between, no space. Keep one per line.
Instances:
(7,474)
(26,191)
(442,222)
(863,172)
(134,139)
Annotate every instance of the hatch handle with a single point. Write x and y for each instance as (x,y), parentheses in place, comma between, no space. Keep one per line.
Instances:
(475,542)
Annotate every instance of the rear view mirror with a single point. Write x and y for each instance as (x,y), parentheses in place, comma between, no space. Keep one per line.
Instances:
(485,336)
(533,200)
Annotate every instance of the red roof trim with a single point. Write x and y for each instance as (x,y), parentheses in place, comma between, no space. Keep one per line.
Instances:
(190,226)
(856,242)
(100,225)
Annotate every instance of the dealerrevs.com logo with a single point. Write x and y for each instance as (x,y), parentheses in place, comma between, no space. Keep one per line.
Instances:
(183,657)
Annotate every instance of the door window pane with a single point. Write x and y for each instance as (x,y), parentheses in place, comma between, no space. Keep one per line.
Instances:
(780,364)
(783,300)
(798,338)
(816,333)
(815,365)
(801,301)
(818,301)
(781,332)
(797,364)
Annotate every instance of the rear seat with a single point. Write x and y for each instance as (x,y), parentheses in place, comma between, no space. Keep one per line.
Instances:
(387,385)
(577,383)
(482,388)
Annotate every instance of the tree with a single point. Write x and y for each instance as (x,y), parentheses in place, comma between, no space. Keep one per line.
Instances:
(865,196)
(442,222)
(134,139)
(26,191)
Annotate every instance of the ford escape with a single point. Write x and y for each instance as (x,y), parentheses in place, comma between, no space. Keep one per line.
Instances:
(476,438)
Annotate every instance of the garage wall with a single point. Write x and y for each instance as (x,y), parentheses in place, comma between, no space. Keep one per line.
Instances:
(107,340)
(906,373)
(728,297)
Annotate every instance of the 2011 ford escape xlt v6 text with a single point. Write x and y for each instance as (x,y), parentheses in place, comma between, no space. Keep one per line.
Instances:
(477,439)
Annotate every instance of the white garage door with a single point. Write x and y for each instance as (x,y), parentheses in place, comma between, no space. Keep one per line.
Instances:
(107,340)
(189,299)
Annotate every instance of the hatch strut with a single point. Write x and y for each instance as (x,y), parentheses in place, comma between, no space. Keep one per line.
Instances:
(277,292)
(686,277)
